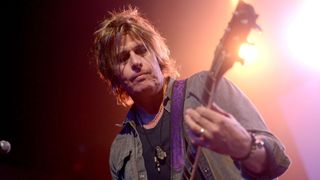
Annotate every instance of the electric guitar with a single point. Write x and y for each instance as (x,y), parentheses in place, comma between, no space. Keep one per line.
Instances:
(226,54)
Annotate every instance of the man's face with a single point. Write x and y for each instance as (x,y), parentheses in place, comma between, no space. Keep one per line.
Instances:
(138,69)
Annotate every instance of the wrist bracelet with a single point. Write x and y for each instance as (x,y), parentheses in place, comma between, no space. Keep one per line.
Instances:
(255,144)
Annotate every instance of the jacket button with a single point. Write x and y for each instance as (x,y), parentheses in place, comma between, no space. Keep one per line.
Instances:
(206,170)
(142,176)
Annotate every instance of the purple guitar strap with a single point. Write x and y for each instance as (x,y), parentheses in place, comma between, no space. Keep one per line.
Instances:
(177,156)
(177,131)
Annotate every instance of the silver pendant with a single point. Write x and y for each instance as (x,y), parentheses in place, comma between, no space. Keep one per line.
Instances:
(157,164)
(160,154)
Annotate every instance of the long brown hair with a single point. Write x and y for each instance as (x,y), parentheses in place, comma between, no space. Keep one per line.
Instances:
(107,43)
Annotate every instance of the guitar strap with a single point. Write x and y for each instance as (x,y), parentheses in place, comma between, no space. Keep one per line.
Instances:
(177,133)
(177,106)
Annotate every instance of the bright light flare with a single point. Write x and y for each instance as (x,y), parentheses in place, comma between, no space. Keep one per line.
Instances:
(248,52)
(302,35)
(256,55)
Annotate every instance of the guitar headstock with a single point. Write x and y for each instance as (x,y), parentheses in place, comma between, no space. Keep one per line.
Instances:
(243,20)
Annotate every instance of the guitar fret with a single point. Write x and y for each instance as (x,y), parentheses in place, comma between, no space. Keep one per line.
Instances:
(191,158)
(188,163)
(186,174)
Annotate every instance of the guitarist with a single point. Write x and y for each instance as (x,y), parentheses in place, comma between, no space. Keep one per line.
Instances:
(135,62)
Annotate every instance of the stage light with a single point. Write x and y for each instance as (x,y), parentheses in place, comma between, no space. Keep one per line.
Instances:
(256,55)
(302,35)
(248,52)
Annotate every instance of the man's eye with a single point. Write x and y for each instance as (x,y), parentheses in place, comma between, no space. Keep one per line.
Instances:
(141,50)
(123,57)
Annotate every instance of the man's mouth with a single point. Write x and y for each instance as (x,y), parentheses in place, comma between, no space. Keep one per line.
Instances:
(138,76)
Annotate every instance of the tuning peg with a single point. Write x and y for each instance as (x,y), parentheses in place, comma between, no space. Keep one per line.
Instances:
(257,27)
(241,61)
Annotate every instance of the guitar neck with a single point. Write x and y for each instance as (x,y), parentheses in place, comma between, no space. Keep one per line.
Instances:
(213,78)
(226,53)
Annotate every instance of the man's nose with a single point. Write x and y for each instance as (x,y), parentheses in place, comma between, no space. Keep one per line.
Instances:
(135,61)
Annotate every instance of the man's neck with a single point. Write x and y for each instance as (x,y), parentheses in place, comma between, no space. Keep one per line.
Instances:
(150,109)
(149,116)
(150,105)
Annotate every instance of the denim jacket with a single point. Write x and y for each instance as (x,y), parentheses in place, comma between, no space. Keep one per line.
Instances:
(126,160)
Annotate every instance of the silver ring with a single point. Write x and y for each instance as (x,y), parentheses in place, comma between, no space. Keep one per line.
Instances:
(201,131)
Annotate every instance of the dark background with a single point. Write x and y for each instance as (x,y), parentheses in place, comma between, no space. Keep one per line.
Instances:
(55,110)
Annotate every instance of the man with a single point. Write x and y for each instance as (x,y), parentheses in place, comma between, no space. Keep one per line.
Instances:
(134,60)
